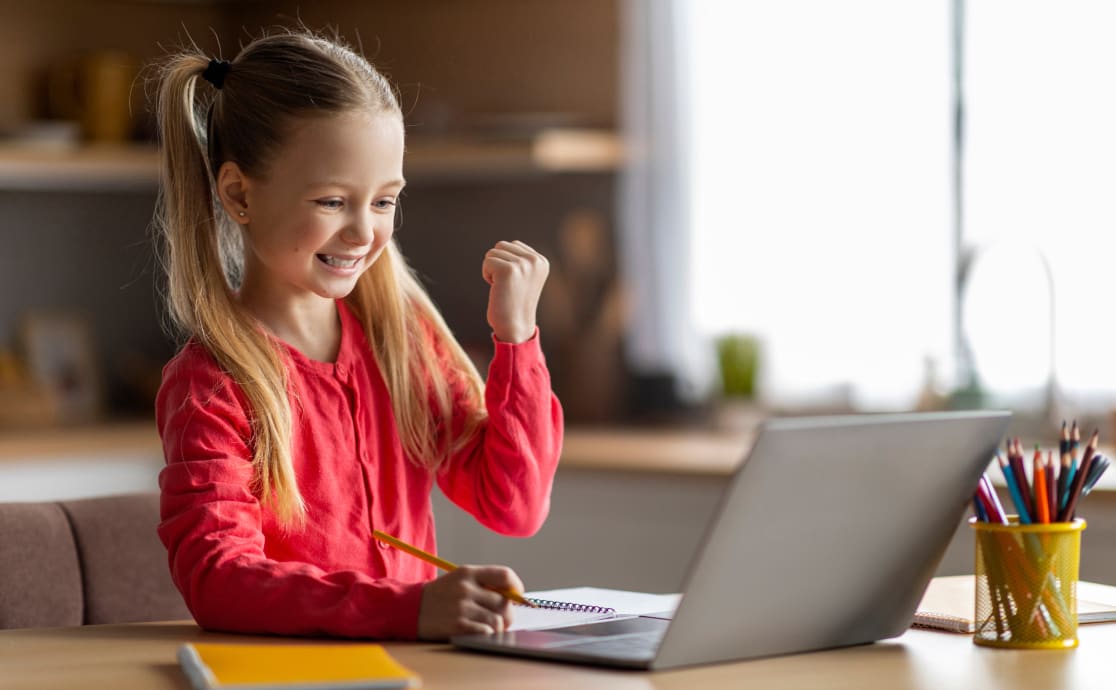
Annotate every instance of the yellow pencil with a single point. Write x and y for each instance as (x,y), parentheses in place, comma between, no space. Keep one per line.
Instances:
(445,565)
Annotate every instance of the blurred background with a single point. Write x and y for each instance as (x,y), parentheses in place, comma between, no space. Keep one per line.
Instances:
(751,208)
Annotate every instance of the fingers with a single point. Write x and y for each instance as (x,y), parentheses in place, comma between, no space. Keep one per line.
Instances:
(511,251)
(497,577)
(517,274)
(518,248)
(510,256)
(500,580)
(483,619)
(495,609)
(465,601)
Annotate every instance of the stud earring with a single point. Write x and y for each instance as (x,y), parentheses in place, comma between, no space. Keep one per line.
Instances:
(241,214)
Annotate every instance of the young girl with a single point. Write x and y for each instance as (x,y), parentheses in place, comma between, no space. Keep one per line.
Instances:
(321,395)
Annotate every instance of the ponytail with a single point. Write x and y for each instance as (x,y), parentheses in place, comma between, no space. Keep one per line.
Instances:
(200,248)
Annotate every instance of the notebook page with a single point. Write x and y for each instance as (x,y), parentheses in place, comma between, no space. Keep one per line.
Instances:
(1096,603)
(626,604)
(948,603)
(527,618)
(635,603)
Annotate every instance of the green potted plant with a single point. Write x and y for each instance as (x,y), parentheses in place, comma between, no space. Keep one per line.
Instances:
(738,356)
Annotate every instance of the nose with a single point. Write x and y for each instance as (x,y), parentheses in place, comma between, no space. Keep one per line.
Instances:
(362,231)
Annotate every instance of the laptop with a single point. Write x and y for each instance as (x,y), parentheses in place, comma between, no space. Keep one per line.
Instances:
(825,536)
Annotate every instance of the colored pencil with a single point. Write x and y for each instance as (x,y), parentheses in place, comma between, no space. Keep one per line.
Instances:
(1100,464)
(981,513)
(1075,441)
(444,564)
(1051,485)
(1013,490)
(1015,460)
(989,503)
(1091,447)
(1064,470)
(1042,503)
(997,508)
(1075,490)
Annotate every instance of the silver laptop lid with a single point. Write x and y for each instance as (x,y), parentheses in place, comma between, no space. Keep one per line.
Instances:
(829,533)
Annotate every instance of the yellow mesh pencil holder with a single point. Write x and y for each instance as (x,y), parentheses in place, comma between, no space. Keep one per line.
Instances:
(1026,584)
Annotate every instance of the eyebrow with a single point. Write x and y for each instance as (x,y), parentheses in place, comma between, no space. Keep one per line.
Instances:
(398,182)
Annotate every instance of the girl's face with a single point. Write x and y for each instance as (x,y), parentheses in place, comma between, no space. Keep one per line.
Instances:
(326,208)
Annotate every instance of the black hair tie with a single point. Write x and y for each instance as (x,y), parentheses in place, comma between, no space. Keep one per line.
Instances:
(216,71)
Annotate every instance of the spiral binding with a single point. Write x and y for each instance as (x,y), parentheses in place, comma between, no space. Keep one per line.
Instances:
(570,606)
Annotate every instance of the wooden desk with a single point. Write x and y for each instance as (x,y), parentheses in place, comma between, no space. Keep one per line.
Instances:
(142,657)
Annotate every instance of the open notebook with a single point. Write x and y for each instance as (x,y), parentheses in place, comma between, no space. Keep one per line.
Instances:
(574,605)
(949,602)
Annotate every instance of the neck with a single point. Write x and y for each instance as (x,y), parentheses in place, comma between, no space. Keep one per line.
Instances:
(309,324)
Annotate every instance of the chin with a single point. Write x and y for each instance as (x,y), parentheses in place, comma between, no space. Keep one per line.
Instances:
(334,293)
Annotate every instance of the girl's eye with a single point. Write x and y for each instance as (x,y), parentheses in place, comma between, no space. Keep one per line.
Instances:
(331,204)
(384,204)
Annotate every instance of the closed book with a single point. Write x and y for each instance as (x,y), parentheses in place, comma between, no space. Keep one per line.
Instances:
(331,666)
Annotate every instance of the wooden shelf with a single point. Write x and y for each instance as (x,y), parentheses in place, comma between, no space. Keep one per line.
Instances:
(622,449)
(86,168)
(96,441)
(654,451)
(550,151)
(135,167)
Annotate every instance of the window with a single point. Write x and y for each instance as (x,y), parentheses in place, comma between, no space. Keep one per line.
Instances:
(1040,192)
(807,181)
(819,140)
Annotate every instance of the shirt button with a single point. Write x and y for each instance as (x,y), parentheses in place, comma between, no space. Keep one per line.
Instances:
(383,545)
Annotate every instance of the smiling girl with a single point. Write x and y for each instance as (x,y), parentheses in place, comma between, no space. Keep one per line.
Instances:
(319,394)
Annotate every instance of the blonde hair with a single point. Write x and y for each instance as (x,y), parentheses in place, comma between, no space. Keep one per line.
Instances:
(274,80)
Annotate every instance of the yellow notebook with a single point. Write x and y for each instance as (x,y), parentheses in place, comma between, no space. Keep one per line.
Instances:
(336,666)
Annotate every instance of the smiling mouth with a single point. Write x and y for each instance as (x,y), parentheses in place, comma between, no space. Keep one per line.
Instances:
(338,262)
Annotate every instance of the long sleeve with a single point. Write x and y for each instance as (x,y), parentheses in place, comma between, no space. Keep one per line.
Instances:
(214,528)
(503,477)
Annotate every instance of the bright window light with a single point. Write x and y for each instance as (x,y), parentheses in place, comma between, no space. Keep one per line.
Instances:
(820,141)
(1040,179)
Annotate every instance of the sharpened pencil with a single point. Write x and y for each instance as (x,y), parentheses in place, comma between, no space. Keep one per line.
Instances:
(1013,490)
(445,565)
(1051,485)
(1042,503)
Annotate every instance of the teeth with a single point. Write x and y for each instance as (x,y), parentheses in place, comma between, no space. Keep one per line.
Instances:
(339,263)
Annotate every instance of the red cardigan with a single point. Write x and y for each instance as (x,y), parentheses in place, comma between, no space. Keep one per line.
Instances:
(239,570)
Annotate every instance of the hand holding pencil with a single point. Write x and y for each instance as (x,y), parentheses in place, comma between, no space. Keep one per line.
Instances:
(467,599)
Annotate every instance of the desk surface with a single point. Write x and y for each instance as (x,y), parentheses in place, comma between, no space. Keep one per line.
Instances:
(142,657)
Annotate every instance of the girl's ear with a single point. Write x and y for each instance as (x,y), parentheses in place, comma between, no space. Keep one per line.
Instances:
(232,187)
